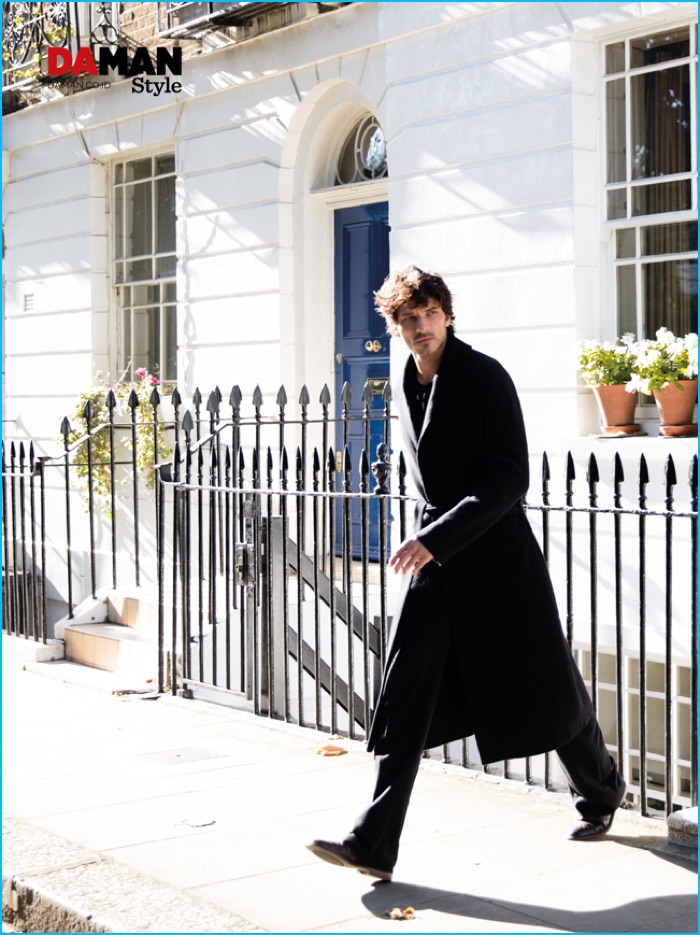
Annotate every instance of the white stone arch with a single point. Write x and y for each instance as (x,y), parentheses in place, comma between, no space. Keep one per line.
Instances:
(308,199)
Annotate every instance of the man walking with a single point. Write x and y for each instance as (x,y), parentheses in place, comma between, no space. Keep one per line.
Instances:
(476,645)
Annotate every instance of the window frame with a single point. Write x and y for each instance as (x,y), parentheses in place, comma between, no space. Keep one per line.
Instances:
(165,285)
(639,223)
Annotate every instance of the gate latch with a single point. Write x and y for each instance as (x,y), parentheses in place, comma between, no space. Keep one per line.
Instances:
(245,564)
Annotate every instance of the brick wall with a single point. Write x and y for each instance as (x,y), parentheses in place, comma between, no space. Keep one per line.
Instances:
(139,26)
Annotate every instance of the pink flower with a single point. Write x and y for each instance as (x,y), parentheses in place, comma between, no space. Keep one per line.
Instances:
(141,373)
(153,380)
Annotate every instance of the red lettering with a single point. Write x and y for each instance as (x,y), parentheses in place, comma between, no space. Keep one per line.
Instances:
(84,62)
(59,61)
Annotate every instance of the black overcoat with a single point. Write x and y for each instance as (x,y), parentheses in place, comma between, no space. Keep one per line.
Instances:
(516,686)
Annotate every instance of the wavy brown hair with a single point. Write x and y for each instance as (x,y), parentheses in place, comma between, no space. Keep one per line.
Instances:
(411,286)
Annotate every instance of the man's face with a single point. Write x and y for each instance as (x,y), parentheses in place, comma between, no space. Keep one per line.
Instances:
(423,329)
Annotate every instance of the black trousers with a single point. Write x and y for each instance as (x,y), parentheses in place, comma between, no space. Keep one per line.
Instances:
(596,785)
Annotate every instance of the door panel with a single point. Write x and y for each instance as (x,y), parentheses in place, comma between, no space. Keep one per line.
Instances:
(361,341)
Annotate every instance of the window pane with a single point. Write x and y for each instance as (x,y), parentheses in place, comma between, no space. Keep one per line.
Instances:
(144,295)
(660,123)
(168,367)
(146,338)
(165,215)
(627,300)
(615,122)
(165,266)
(138,232)
(626,243)
(661,47)
(670,294)
(614,58)
(119,223)
(617,204)
(136,170)
(669,238)
(165,165)
(658,199)
(139,269)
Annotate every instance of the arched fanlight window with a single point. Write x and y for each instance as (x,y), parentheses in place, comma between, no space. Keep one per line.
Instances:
(363,156)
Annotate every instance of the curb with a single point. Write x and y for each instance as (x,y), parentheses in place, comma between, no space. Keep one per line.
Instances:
(48,883)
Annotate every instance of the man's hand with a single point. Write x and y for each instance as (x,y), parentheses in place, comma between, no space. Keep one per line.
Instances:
(410,557)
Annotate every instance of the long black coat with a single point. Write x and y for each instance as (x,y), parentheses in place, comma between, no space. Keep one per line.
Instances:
(517,688)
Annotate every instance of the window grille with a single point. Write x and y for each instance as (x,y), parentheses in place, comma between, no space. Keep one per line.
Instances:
(651,179)
(363,155)
(145,264)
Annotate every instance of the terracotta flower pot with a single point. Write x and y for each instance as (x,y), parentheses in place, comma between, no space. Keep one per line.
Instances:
(616,407)
(676,405)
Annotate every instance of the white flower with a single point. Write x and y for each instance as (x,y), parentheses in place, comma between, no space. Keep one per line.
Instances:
(638,384)
(664,336)
(628,338)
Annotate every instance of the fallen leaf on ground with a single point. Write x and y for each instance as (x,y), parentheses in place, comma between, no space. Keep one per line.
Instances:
(401,914)
(330,750)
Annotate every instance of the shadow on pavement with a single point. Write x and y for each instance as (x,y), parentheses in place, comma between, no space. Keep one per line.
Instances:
(620,918)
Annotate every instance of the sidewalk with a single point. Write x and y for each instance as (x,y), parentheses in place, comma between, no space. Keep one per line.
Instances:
(134,813)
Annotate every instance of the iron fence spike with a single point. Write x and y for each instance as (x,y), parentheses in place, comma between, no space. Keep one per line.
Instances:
(65,428)
(570,468)
(154,398)
(387,395)
(187,422)
(546,471)
(693,473)
(236,397)
(134,401)
(592,472)
(367,393)
(87,411)
(325,397)
(257,397)
(110,400)
(670,471)
(197,398)
(281,397)
(316,462)
(304,398)
(643,471)
(618,470)
(285,460)
(175,398)
(346,394)
(213,402)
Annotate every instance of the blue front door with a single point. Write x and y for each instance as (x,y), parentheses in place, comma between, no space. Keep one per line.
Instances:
(361,341)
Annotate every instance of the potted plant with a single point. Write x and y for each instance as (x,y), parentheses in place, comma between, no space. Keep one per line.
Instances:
(607,368)
(667,367)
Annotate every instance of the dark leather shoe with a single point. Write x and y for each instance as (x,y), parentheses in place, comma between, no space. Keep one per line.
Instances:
(344,856)
(588,829)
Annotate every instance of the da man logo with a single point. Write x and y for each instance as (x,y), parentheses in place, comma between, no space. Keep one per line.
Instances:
(61,63)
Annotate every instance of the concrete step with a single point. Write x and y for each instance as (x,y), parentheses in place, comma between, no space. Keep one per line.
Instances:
(113,647)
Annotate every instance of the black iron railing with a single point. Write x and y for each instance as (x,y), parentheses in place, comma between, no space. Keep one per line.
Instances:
(31,29)
(266,541)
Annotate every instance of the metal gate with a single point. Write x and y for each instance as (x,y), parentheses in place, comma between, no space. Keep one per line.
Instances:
(261,602)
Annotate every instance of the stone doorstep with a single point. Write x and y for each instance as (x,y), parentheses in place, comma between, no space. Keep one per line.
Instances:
(683,828)
(112,647)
